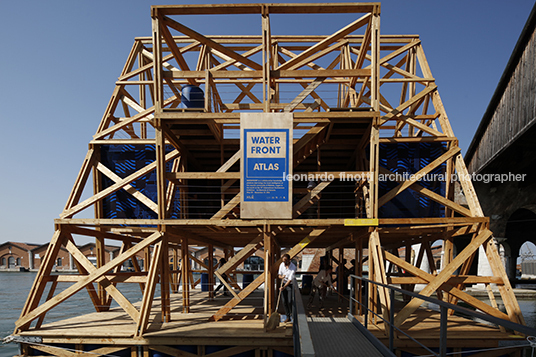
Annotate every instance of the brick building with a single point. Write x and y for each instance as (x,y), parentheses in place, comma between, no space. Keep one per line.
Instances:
(62,261)
(15,255)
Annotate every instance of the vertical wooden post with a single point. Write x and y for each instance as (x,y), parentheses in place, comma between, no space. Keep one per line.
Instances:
(157,62)
(148,294)
(268,273)
(99,240)
(142,94)
(185,268)
(378,261)
(448,241)
(372,291)
(266,53)
(101,260)
(375,103)
(229,253)
(175,275)
(340,273)
(146,258)
(160,169)
(210,265)
(358,284)
(164,281)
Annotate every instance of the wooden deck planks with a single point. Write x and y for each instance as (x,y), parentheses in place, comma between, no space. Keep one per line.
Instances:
(246,321)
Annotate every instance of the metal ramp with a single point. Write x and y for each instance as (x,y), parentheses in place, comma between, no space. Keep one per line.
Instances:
(337,336)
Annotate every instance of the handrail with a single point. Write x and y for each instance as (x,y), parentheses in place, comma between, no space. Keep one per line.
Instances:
(444,307)
(303,343)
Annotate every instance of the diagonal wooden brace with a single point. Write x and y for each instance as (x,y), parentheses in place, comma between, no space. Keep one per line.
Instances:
(73,289)
(110,288)
(417,176)
(451,289)
(115,187)
(260,279)
(242,255)
(443,277)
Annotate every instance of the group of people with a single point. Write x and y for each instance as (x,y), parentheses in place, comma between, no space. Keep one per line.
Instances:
(286,272)
(320,284)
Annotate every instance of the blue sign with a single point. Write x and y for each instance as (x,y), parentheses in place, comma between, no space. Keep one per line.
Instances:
(266,154)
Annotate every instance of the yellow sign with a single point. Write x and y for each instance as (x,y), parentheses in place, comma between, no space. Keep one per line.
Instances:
(361,222)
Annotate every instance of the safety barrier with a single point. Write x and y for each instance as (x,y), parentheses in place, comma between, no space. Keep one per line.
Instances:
(444,307)
(303,343)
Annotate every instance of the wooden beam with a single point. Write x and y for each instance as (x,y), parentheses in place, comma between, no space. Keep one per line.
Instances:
(115,187)
(269,281)
(302,58)
(229,163)
(302,205)
(447,286)
(442,277)
(398,110)
(81,179)
(227,208)
(378,264)
(467,186)
(39,284)
(137,194)
(506,290)
(242,255)
(432,195)
(148,294)
(123,124)
(454,280)
(230,61)
(260,280)
(62,296)
(175,51)
(210,43)
(110,288)
(185,272)
(182,232)
(417,176)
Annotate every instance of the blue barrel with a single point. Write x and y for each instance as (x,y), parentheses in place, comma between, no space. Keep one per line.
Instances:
(307,284)
(246,280)
(204,281)
(192,97)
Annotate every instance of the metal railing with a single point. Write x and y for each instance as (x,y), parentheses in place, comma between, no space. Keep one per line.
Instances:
(303,343)
(444,307)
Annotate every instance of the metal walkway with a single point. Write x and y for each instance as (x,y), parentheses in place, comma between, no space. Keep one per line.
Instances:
(337,336)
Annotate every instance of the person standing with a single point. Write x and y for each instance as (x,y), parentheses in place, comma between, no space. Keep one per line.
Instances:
(321,283)
(286,273)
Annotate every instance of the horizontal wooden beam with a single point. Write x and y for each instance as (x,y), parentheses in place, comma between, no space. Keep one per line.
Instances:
(308,175)
(113,278)
(88,279)
(427,139)
(305,8)
(364,116)
(259,222)
(459,279)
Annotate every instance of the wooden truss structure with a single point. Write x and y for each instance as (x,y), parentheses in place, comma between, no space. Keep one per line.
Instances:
(350,92)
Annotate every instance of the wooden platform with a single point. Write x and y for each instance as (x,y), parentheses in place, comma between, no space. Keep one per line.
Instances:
(423,326)
(462,333)
(243,327)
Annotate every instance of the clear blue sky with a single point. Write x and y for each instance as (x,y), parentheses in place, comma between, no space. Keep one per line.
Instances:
(60,60)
